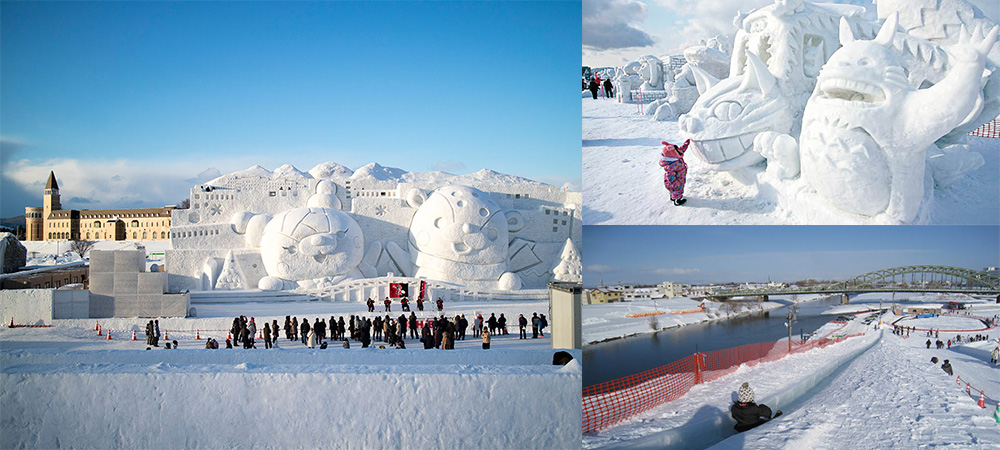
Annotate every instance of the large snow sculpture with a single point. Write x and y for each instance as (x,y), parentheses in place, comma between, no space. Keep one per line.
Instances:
(310,247)
(866,131)
(626,79)
(651,71)
(778,52)
(459,234)
(683,91)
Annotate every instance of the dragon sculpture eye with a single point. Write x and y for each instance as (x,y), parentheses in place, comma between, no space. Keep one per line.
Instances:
(727,110)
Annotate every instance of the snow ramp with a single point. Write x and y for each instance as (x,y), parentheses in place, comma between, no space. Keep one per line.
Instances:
(711,425)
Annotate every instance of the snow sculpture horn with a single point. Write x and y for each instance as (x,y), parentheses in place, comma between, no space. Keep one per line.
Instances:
(703,80)
(758,77)
(884,36)
(846,34)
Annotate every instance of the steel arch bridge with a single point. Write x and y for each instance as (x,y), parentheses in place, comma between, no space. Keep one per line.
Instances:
(896,279)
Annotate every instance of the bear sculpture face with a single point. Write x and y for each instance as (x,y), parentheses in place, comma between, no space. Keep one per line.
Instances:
(462,224)
(309,243)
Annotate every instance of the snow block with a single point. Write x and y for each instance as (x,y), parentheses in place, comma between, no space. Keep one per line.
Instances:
(175,305)
(101,305)
(130,261)
(102,261)
(152,283)
(102,283)
(126,283)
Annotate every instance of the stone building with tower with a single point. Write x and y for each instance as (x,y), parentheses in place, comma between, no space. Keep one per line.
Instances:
(52,223)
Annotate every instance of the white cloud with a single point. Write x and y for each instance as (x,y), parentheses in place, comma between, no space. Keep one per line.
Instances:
(600,268)
(675,271)
(609,24)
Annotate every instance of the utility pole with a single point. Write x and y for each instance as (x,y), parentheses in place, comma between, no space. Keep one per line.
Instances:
(791,317)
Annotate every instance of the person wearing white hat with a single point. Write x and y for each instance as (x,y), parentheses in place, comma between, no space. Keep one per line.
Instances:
(747,413)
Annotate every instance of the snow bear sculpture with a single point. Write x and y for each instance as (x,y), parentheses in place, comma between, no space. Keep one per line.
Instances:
(310,247)
(866,131)
(459,234)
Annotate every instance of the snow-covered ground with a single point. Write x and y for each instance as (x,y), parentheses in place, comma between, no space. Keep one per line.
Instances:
(623,184)
(49,253)
(607,321)
(66,387)
(878,391)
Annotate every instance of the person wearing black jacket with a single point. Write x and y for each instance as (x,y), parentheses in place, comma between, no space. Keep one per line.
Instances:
(522,323)
(608,89)
(748,414)
(304,330)
(946,367)
(593,88)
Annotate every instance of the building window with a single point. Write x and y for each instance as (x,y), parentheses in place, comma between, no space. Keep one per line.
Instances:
(564,222)
(554,229)
(555,221)
(163,235)
(547,212)
(517,195)
(88,235)
(564,213)
(135,223)
(143,235)
(133,235)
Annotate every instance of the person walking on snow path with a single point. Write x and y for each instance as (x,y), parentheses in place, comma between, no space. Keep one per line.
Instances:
(946,367)
(675,170)
(486,340)
(748,414)
(521,323)
(995,355)
(593,86)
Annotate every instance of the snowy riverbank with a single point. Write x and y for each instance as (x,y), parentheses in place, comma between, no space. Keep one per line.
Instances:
(609,321)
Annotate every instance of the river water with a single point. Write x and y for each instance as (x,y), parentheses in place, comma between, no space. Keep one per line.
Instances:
(622,357)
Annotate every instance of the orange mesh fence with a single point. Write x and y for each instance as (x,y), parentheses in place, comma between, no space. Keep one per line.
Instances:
(989,129)
(608,403)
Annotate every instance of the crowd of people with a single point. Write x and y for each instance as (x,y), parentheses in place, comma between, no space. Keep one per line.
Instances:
(438,332)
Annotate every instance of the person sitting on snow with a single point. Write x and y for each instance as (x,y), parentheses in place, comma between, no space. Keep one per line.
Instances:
(747,413)
(946,367)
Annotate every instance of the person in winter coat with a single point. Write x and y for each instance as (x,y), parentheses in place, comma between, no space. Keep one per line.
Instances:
(440,304)
(253,329)
(747,413)
(371,305)
(463,325)
(491,323)
(486,340)
(542,323)
(593,86)
(229,344)
(267,336)
(274,332)
(675,170)
(295,328)
(522,323)
(311,342)
(448,338)
(608,89)
(426,337)
(928,344)
(304,330)
(156,333)
(388,305)
(995,355)
(946,367)
(502,324)
(534,325)
(340,327)
(405,304)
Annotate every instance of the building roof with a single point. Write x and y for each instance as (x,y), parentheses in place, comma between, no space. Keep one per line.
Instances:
(51,184)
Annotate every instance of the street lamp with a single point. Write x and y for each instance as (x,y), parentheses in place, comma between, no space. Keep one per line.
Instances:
(793,313)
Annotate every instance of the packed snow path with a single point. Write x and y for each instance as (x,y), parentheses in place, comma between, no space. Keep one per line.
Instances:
(890,397)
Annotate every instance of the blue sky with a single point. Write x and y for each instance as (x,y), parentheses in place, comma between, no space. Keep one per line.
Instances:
(119,97)
(701,254)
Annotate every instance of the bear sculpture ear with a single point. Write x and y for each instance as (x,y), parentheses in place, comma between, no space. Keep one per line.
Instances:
(514,221)
(416,197)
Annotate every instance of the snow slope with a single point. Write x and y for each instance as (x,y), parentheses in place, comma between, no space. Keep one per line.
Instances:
(623,184)
(887,397)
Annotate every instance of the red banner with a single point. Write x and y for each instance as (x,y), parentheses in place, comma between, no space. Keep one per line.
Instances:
(398,290)
(423,289)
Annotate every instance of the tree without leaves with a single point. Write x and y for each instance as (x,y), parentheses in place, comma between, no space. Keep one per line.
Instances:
(81,247)
(184,204)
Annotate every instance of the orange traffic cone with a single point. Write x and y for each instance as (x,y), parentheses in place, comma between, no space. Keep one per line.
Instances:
(97,325)
(11,322)
(260,334)
(99,331)
(165,337)
(197,335)
(958,380)
(133,335)
(968,389)
(109,335)
(982,399)
(229,335)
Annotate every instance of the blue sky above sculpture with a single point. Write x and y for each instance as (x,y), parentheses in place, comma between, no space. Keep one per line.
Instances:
(132,103)
(618,31)
(706,254)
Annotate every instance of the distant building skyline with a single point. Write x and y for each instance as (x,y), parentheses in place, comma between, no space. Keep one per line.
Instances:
(650,255)
(132,103)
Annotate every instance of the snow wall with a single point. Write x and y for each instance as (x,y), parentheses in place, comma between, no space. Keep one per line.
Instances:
(438,403)
(712,429)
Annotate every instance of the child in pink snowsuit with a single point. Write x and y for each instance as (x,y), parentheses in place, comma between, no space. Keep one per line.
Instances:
(675,170)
